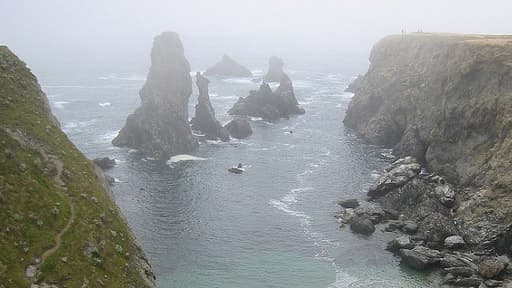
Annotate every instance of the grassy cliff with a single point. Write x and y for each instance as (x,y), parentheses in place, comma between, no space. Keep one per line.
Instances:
(58,224)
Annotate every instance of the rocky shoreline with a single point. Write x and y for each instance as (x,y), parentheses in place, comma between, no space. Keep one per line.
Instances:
(442,102)
(419,208)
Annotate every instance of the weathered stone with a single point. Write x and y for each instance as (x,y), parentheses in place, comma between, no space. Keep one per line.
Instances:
(228,67)
(159,127)
(362,225)
(420,258)
(454,242)
(463,271)
(239,128)
(402,242)
(491,267)
(105,163)
(400,172)
(204,119)
(350,203)
(275,69)
(410,227)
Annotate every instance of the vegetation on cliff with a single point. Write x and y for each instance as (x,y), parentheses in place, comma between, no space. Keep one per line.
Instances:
(58,224)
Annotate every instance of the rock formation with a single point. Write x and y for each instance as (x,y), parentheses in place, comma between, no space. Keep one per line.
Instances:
(57,216)
(447,101)
(204,119)
(239,128)
(267,104)
(159,127)
(354,85)
(227,67)
(275,70)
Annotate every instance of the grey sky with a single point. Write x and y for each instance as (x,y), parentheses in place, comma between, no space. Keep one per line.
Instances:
(284,27)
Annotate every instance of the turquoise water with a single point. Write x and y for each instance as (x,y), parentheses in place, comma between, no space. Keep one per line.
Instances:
(272,226)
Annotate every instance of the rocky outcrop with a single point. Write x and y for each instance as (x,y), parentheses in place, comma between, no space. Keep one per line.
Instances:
(227,67)
(275,70)
(54,203)
(267,104)
(239,128)
(204,119)
(105,163)
(159,127)
(447,101)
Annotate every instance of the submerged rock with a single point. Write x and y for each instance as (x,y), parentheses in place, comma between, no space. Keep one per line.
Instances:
(349,203)
(267,104)
(275,70)
(239,128)
(159,127)
(204,119)
(227,67)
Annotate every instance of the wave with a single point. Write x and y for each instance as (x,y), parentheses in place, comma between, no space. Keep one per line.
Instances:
(184,157)
(59,104)
(105,104)
(238,80)
(78,124)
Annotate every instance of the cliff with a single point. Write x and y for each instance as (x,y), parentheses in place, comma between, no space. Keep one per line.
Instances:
(228,67)
(58,222)
(446,100)
(204,119)
(159,127)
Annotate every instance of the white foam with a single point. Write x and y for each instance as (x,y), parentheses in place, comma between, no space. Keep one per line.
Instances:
(60,104)
(105,104)
(238,80)
(184,157)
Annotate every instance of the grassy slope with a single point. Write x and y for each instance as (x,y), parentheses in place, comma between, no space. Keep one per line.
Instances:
(98,247)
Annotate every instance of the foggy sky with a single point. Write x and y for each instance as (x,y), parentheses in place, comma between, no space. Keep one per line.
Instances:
(65,31)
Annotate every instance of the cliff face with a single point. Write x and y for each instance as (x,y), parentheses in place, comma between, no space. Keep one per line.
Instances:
(159,127)
(58,223)
(447,100)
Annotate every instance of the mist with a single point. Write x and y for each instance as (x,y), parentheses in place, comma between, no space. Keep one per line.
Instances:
(59,36)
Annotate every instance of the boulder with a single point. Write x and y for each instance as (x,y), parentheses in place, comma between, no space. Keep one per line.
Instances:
(420,258)
(361,225)
(105,163)
(350,203)
(398,174)
(463,271)
(227,67)
(402,242)
(454,242)
(204,119)
(159,128)
(410,227)
(275,70)
(491,267)
(239,128)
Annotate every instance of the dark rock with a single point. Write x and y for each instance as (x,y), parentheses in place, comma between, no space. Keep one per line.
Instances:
(420,258)
(361,225)
(454,242)
(236,170)
(463,271)
(204,119)
(350,203)
(392,214)
(105,163)
(491,267)
(458,260)
(402,242)
(410,227)
(493,283)
(394,226)
(275,70)
(159,127)
(239,128)
(227,67)
(473,281)
(267,104)
(400,172)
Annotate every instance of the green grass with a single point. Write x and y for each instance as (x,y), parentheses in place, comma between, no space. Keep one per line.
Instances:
(28,222)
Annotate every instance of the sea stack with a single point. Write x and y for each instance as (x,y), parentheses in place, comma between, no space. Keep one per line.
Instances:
(275,70)
(204,119)
(159,128)
(227,67)
(267,104)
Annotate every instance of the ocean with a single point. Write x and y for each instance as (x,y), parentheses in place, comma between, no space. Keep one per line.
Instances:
(271,226)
